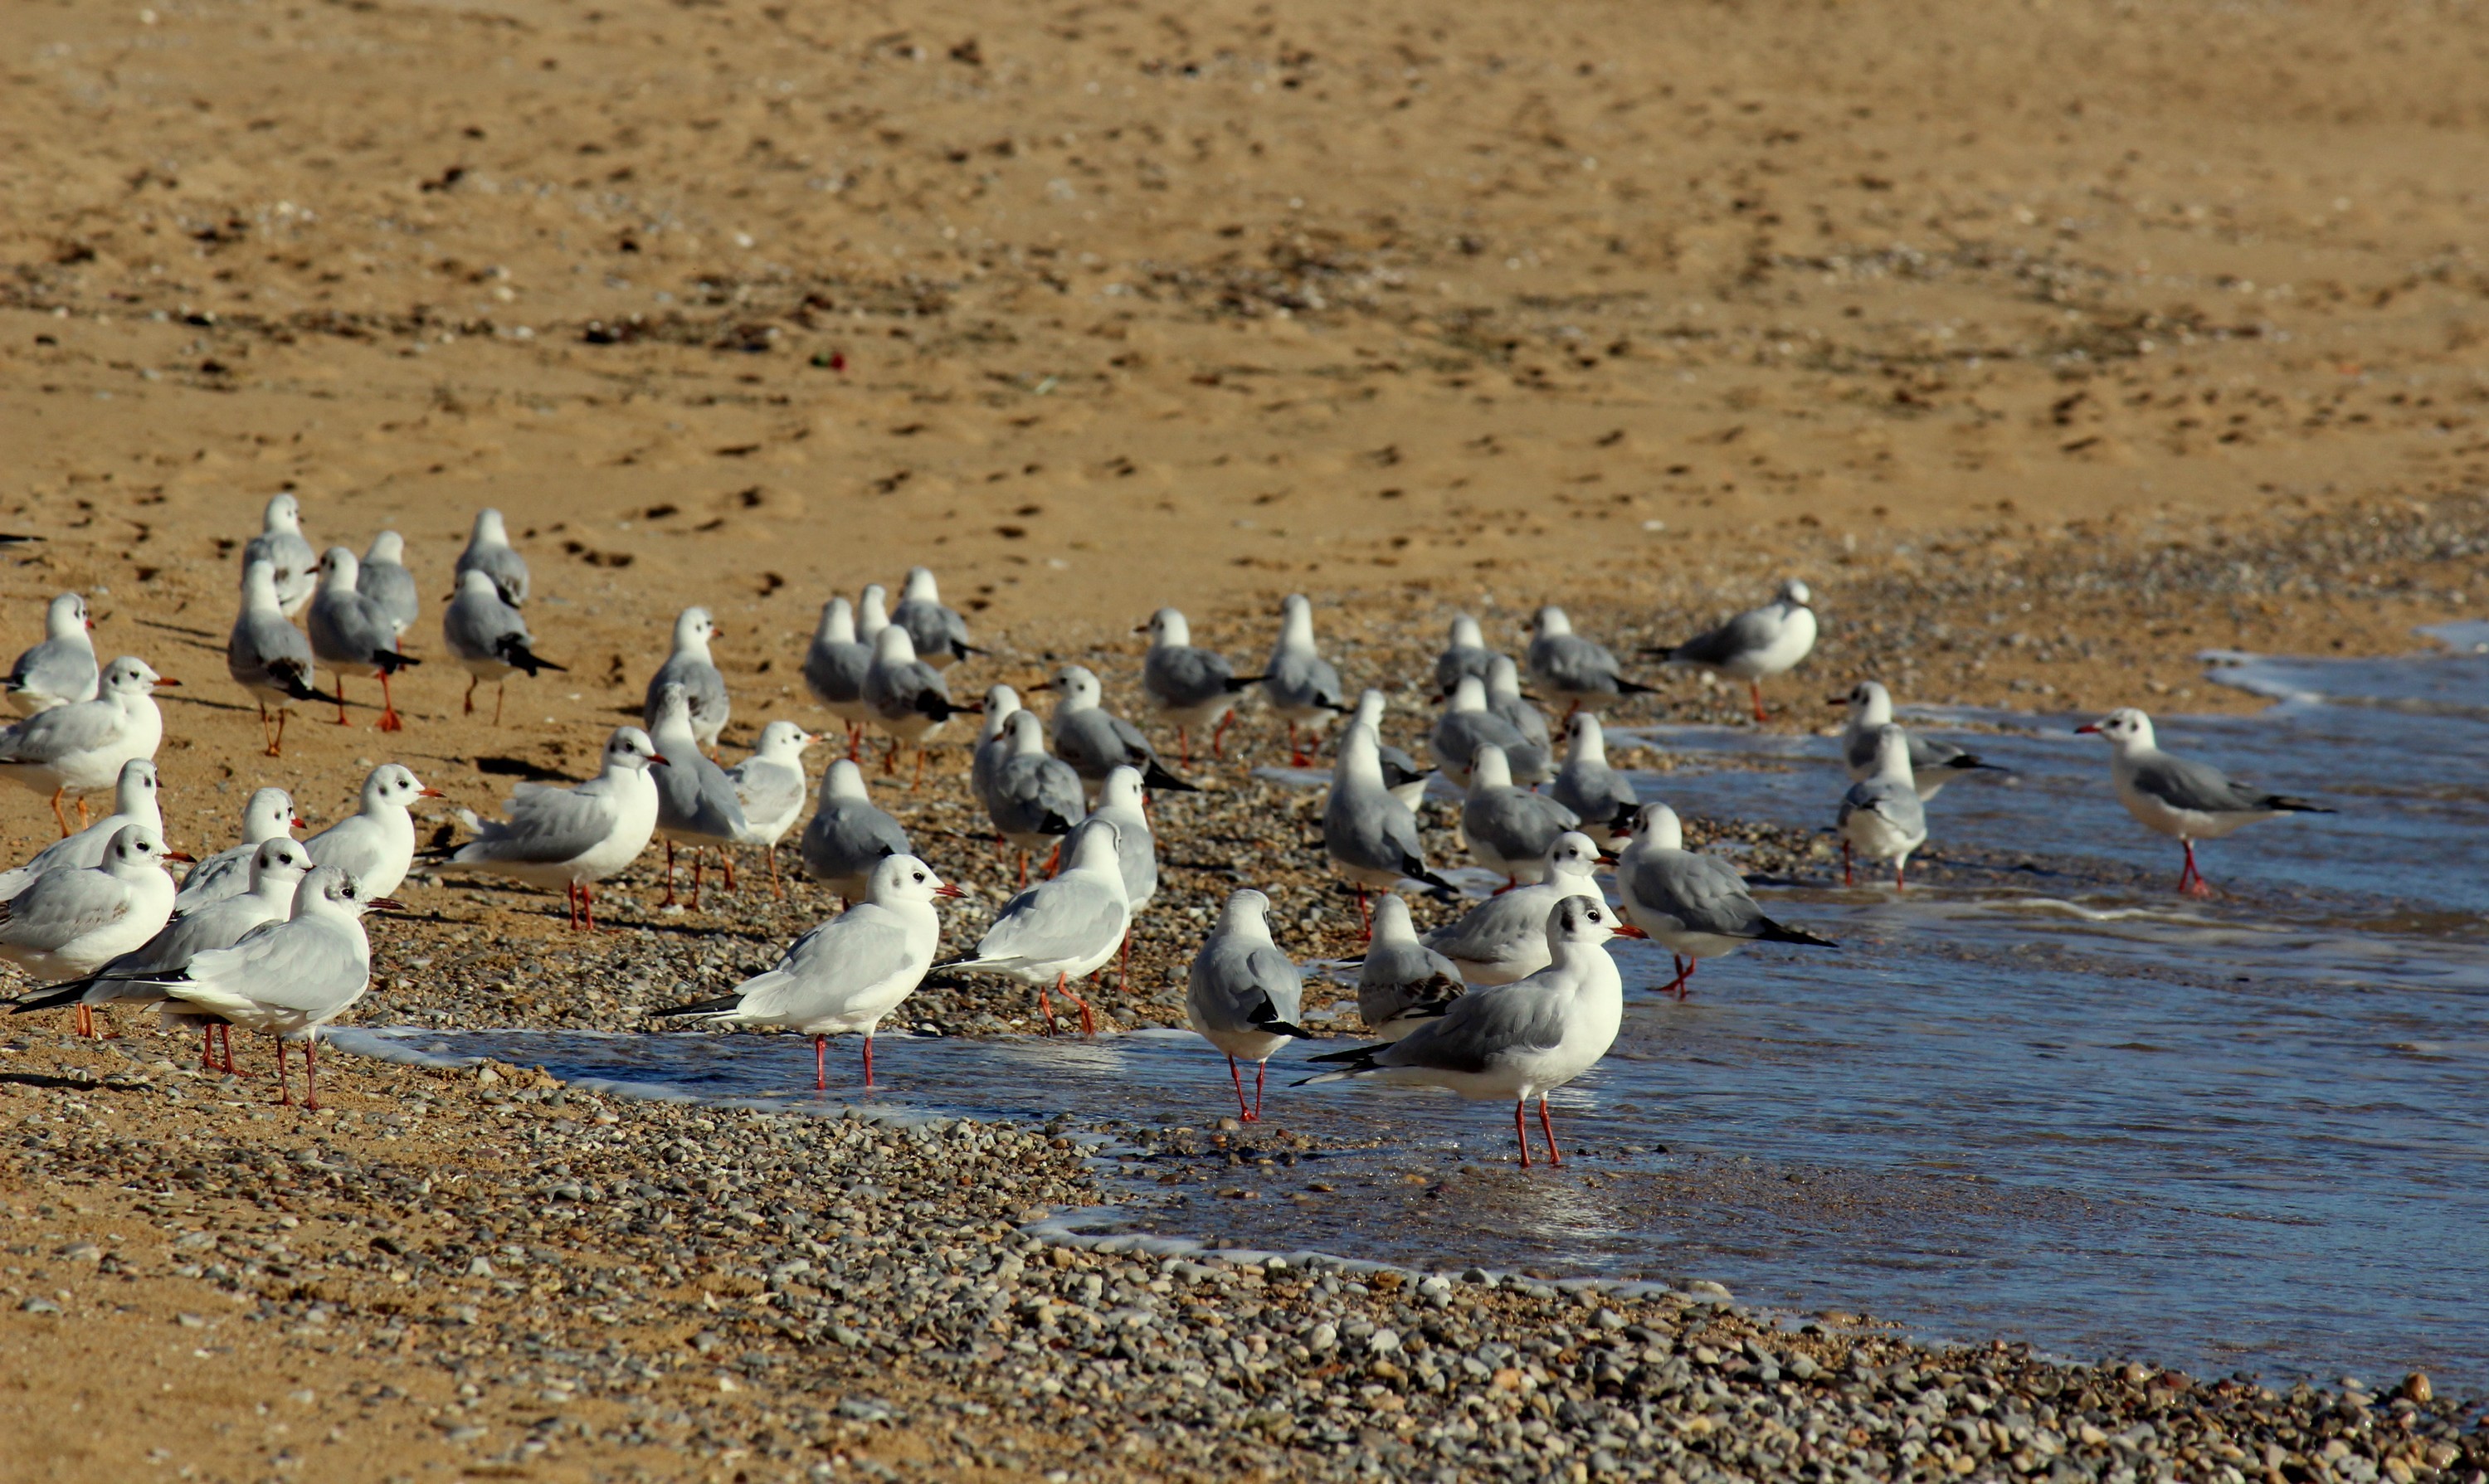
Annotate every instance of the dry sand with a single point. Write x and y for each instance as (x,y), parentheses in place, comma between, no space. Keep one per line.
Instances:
(2052,343)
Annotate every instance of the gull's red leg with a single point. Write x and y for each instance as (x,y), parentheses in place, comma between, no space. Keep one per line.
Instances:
(1521,1127)
(1237,1076)
(821,1065)
(1548,1129)
(868,1058)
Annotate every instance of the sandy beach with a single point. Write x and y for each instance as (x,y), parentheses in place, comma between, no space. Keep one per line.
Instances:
(2054,345)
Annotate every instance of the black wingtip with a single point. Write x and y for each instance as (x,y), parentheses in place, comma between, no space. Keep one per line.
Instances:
(700,1006)
(1966,761)
(390,662)
(52,998)
(1156,775)
(1363,1056)
(1776,932)
(2290,805)
(1635,687)
(1235,683)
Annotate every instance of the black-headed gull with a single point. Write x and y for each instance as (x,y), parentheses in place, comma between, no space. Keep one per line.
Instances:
(81,746)
(771,785)
(1189,686)
(1036,797)
(489,551)
(269,814)
(1578,672)
(1518,1041)
(2187,801)
(1096,741)
(1060,929)
(1697,906)
(1402,984)
(1467,654)
(1508,828)
(572,838)
(59,669)
(382,578)
(834,667)
(1298,683)
(849,836)
(1585,784)
(908,698)
(354,635)
(1932,764)
(1466,724)
(375,844)
(1400,772)
(134,801)
(69,924)
(845,976)
(1369,835)
(1243,994)
(280,544)
(267,656)
(1754,645)
(696,802)
(690,666)
(938,632)
(1504,938)
(1882,817)
(489,639)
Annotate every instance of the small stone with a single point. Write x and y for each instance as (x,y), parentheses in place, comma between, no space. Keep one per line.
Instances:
(1610,1318)
(1324,1337)
(2415,1389)
(39,1304)
(1383,1342)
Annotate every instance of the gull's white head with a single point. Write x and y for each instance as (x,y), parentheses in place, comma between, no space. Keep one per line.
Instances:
(1468,694)
(783,742)
(1246,911)
(394,785)
(1027,737)
(2126,728)
(67,614)
(130,676)
(1572,855)
(1892,751)
(1370,711)
(1657,826)
(283,513)
(1503,678)
(388,547)
(1795,593)
(1079,687)
(893,646)
(1588,738)
(1870,704)
(1168,629)
(1489,769)
(844,781)
(919,586)
(1466,633)
(1577,924)
(269,814)
(489,529)
(904,879)
(475,583)
(694,628)
(838,622)
(872,611)
(1550,620)
(630,749)
(1121,789)
(277,867)
(339,568)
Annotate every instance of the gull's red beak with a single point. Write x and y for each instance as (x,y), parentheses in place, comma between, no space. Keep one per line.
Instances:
(659,757)
(300,825)
(1629,930)
(163,680)
(176,855)
(2091,727)
(1836,700)
(946,889)
(430,793)
(1603,860)
(384,904)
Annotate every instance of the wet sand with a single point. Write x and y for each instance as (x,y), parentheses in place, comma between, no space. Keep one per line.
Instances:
(2051,351)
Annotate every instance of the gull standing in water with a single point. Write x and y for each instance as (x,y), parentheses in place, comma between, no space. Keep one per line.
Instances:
(1509,829)
(1467,654)
(267,655)
(291,978)
(383,578)
(1754,645)
(489,639)
(1369,835)
(1578,672)
(1466,724)
(353,634)
(1585,784)
(268,815)
(1932,764)
(1096,741)
(1190,686)
(80,747)
(489,551)
(689,666)
(69,924)
(771,786)
(275,868)
(2187,801)
(845,976)
(833,669)
(939,634)
(571,837)
(907,697)
(696,802)
(375,844)
(1882,817)
(1037,798)
(1299,684)
(289,558)
(1061,928)
(1504,938)
(1402,984)
(1696,906)
(134,801)
(1243,995)
(849,836)
(59,669)
(1521,1041)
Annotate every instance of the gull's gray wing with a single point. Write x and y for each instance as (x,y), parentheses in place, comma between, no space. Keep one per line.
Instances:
(845,955)
(1748,632)
(1702,894)
(56,666)
(1572,664)
(768,791)
(1399,974)
(506,568)
(49,736)
(348,628)
(1490,931)
(2194,785)
(696,797)
(1029,791)
(1300,679)
(703,687)
(225,874)
(1518,825)
(63,905)
(1479,1028)
(1186,675)
(1593,792)
(1096,742)
(836,670)
(846,838)
(391,588)
(264,650)
(1065,918)
(1458,661)
(1373,830)
(476,626)
(1898,803)
(546,826)
(303,965)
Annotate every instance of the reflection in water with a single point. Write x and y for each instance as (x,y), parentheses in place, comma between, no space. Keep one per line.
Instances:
(2040,1096)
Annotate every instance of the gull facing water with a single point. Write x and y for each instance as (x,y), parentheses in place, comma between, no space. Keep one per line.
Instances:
(2187,800)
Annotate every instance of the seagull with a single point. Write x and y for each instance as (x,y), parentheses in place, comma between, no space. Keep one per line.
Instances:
(1060,928)
(2189,801)
(1882,815)
(1696,905)
(1190,687)
(1369,835)
(1756,644)
(574,837)
(908,698)
(67,923)
(489,639)
(834,668)
(80,747)
(1298,683)
(375,844)
(1037,798)
(59,669)
(1509,829)
(939,634)
(267,655)
(1932,764)
(280,544)
(1402,984)
(1137,853)
(1503,697)
(134,801)
(690,666)
(1096,741)
(1504,938)
(268,815)
(291,978)
(1400,771)
(1585,784)
(848,837)
(1466,655)
(847,974)
(771,786)
(353,634)
(1243,995)
(264,894)
(1002,703)
(1576,671)
(382,578)
(1466,724)
(489,551)
(1522,1040)
(696,802)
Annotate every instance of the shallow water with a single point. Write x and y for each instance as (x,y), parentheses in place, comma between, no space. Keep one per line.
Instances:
(2040,1096)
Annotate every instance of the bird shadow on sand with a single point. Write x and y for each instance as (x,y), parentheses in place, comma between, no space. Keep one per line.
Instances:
(520,768)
